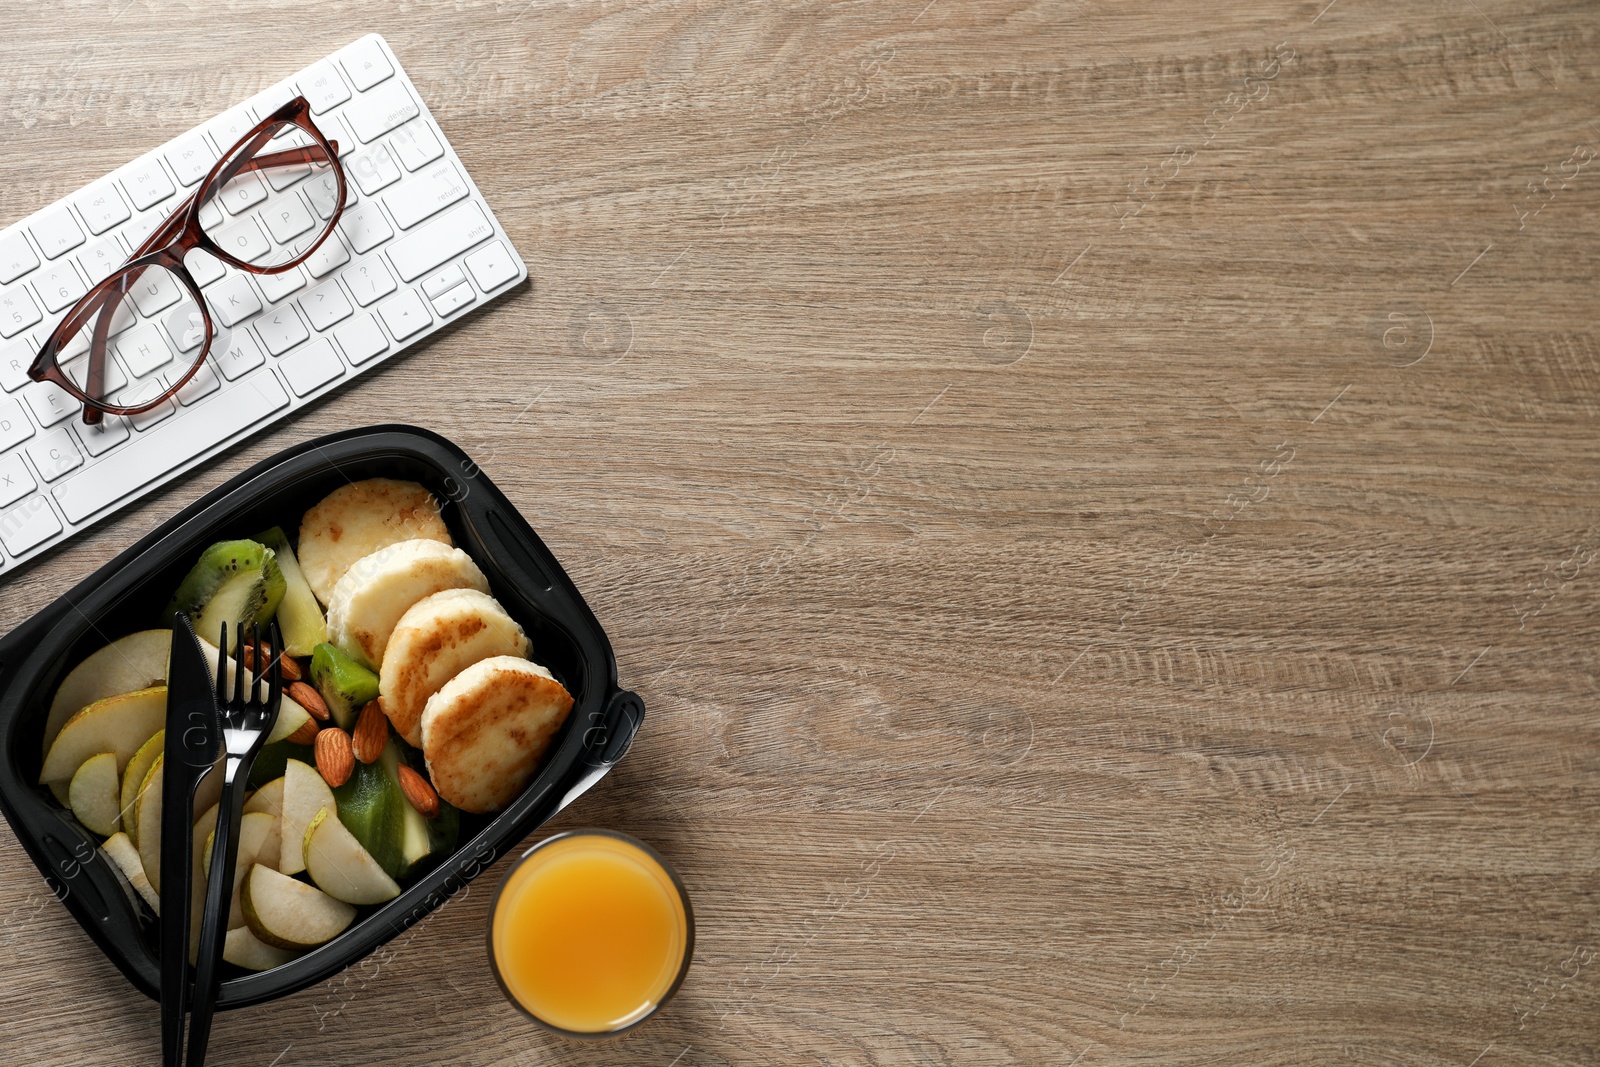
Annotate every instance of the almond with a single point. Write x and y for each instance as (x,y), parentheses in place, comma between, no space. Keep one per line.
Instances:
(306,734)
(310,699)
(419,792)
(251,654)
(334,759)
(371,733)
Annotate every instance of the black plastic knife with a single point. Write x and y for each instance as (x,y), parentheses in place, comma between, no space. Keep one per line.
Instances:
(192,740)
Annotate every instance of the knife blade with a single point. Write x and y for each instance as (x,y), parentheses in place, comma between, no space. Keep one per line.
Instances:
(192,740)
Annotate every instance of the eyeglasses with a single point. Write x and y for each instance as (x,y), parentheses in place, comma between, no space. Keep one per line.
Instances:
(139,335)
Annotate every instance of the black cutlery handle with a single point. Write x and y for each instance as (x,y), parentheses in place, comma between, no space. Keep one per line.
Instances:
(219,894)
(177,848)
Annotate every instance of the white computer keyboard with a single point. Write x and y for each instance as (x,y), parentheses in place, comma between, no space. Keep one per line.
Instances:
(417,248)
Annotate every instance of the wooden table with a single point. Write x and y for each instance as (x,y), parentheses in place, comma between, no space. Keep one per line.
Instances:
(1099,500)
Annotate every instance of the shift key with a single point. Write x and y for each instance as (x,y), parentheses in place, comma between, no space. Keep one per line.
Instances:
(444,238)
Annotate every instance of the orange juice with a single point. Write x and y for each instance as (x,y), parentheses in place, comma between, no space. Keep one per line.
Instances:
(590,933)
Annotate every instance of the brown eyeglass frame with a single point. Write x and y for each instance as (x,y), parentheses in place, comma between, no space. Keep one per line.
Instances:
(167,246)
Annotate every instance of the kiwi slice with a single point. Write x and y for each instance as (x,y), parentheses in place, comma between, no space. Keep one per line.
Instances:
(345,685)
(372,808)
(232,582)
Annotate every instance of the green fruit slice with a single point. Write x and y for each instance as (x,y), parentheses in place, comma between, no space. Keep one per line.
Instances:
(299,615)
(345,685)
(370,806)
(233,582)
(133,778)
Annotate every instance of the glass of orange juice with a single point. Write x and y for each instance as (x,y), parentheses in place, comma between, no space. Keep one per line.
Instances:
(590,933)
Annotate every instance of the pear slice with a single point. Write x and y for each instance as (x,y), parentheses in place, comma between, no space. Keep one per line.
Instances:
(197,879)
(258,840)
(291,716)
(147,817)
(125,856)
(339,865)
(94,796)
(269,798)
(126,665)
(287,913)
(243,949)
(133,778)
(304,794)
(118,724)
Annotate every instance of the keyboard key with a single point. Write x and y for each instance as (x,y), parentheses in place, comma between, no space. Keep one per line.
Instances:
(186,328)
(49,402)
(240,194)
(365,227)
(288,217)
(375,114)
(405,314)
(191,159)
(312,367)
(335,132)
(368,280)
(443,282)
(331,256)
(366,64)
(203,384)
(17,311)
(142,227)
(269,100)
(101,207)
(492,266)
(14,425)
(104,435)
(16,257)
(204,267)
(324,88)
(147,184)
(361,338)
(144,350)
(232,300)
(238,357)
(323,192)
(454,300)
(373,169)
(15,481)
(28,525)
(229,128)
(325,305)
(416,145)
(57,232)
(199,429)
(243,241)
(427,194)
(281,329)
(155,291)
(78,371)
(60,286)
(442,239)
(101,259)
(15,359)
(54,454)
(277,286)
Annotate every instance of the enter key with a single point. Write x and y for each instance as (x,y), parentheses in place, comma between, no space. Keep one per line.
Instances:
(427,192)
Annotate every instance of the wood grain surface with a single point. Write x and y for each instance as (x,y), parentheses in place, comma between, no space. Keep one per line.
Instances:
(1099,501)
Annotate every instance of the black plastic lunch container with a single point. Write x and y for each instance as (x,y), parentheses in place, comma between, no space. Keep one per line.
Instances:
(129,593)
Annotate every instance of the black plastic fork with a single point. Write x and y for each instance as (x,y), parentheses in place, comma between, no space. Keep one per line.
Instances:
(246,722)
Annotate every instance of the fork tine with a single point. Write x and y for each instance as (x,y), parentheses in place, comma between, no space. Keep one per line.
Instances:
(255,675)
(222,666)
(238,666)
